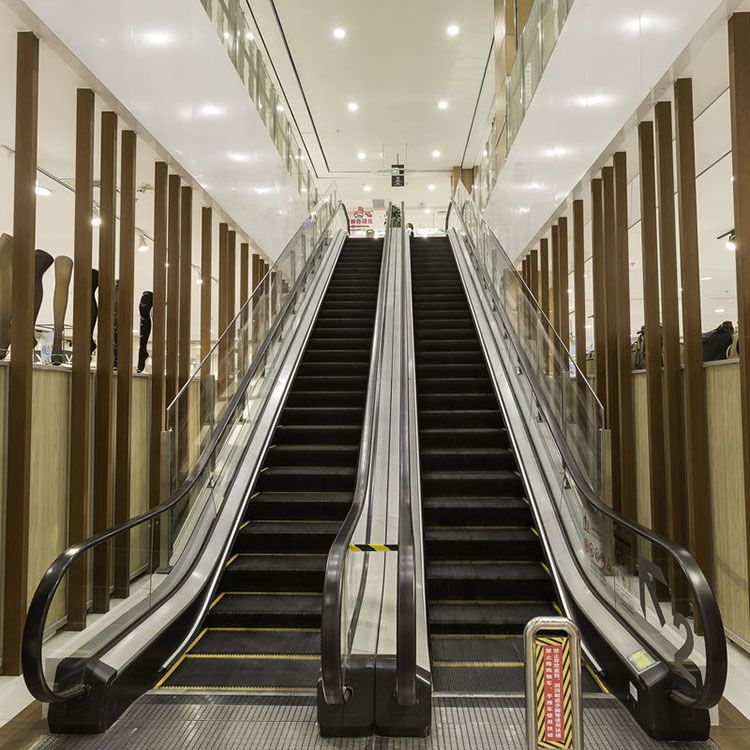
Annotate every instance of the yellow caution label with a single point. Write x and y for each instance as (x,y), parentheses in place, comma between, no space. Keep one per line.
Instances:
(554,700)
(373,548)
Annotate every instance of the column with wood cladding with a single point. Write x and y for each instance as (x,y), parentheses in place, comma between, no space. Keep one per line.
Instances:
(126,290)
(563,296)
(173,292)
(555,261)
(674,445)
(205,333)
(610,306)
(579,285)
(544,297)
(232,310)
(183,329)
(534,265)
(244,295)
(21,353)
(102,500)
(599,286)
(696,417)
(739,92)
(158,333)
(628,504)
(256,312)
(223,306)
(650,265)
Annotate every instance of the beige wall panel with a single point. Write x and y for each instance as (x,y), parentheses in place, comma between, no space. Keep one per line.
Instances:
(48,522)
(725,455)
(139,468)
(642,469)
(3,444)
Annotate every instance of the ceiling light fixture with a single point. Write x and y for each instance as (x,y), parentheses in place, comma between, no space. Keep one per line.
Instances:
(249,36)
(339,33)
(41,190)
(442,104)
(731,242)
(96,221)
(452,30)
(435,154)
(279,107)
(428,210)
(367,188)
(706,278)
(199,280)
(142,244)
(431,187)
(352,106)
(361,155)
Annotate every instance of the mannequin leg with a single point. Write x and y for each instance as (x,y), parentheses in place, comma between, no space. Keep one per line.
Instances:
(94,306)
(63,272)
(42,262)
(6,285)
(146,303)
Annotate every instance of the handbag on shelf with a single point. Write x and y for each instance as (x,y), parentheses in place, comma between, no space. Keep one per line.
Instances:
(717,342)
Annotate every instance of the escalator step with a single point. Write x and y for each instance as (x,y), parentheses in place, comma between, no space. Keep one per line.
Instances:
(267,641)
(287,536)
(297,505)
(438,437)
(486,617)
(339,434)
(275,572)
(455,510)
(477,483)
(303,478)
(488,580)
(312,455)
(263,609)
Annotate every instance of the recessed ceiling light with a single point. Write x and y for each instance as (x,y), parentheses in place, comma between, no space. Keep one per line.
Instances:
(226,35)
(249,36)
(96,221)
(367,188)
(279,107)
(41,190)
(361,155)
(428,210)
(730,244)
(431,187)
(720,310)
(452,30)
(706,278)
(352,106)
(142,244)
(211,110)
(442,104)
(339,33)
(436,154)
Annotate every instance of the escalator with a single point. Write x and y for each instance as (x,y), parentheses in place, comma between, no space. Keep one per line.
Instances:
(485,571)
(262,631)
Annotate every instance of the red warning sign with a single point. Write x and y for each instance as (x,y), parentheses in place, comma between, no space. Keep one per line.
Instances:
(554,716)
(554,721)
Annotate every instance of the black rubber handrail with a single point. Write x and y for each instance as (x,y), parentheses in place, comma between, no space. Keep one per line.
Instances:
(331,663)
(406,597)
(36,618)
(708,608)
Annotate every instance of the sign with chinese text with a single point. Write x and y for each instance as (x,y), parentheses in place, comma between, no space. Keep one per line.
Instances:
(554,717)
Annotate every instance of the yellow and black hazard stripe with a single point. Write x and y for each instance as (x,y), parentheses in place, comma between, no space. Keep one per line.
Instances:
(541,711)
(373,548)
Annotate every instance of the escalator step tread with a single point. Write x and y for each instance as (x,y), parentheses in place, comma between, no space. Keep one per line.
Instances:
(248,562)
(267,641)
(511,571)
(458,533)
(295,603)
(513,614)
(291,528)
(489,503)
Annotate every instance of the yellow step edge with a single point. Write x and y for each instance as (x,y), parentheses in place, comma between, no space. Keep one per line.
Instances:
(263,630)
(250,657)
(238,689)
(182,658)
(483,636)
(480,664)
(487,601)
(269,593)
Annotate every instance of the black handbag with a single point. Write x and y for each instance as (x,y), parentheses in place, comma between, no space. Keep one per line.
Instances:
(716,342)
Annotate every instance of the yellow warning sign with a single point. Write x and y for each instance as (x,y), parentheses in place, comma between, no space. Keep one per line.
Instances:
(554,701)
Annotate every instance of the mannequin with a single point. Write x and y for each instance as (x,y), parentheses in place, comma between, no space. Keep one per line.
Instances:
(94,306)
(42,262)
(6,285)
(144,307)
(63,272)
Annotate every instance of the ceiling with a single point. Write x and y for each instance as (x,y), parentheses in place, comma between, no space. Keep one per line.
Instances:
(396,62)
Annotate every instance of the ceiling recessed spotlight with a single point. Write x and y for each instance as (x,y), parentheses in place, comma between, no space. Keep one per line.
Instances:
(452,30)
(361,155)
(339,33)
(199,280)
(279,107)
(367,188)
(706,278)
(249,36)
(226,35)
(428,210)
(431,187)
(352,106)
(157,38)
(96,221)
(142,244)
(211,110)
(730,244)
(720,310)
(435,154)
(524,210)
(41,190)
(442,104)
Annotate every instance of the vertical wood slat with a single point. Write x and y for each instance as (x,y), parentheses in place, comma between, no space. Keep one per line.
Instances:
(257,270)
(544,297)
(102,501)
(125,359)
(21,358)
(610,304)
(628,504)
(173,292)
(650,265)
(231,308)
(674,450)
(599,287)
(534,265)
(158,334)
(183,328)
(80,381)
(244,294)
(205,333)
(555,301)
(696,417)
(579,285)
(739,94)
(563,297)
(223,306)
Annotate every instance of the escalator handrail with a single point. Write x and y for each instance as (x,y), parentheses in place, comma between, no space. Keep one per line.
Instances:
(710,615)
(333,586)
(33,634)
(406,598)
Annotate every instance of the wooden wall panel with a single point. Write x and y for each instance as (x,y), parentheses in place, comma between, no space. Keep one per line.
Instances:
(556,281)
(140,469)
(642,448)
(674,446)
(80,400)
(599,286)
(563,297)
(125,359)
(544,279)
(186,289)
(21,339)
(173,292)
(102,499)
(739,92)
(696,426)
(206,261)
(579,285)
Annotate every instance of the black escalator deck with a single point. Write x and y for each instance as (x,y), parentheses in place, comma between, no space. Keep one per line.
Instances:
(486,576)
(262,632)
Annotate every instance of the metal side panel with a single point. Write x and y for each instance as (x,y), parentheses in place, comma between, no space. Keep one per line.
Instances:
(607,641)
(130,666)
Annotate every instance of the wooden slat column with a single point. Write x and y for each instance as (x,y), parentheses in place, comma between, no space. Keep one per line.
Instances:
(156,478)
(21,357)
(232,309)
(102,500)
(650,265)
(205,335)
(555,261)
(696,417)
(674,450)
(257,270)
(579,285)
(80,382)
(223,306)
(563,296)
(628,503)
(610,284)
(173,293)
(244,295)
(599,286)
(125,359)
(183,327)
(544,298)
(739,92)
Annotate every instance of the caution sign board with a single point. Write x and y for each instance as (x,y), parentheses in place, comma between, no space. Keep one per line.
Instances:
(554,709)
